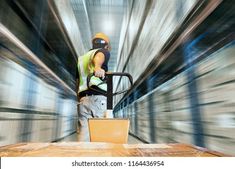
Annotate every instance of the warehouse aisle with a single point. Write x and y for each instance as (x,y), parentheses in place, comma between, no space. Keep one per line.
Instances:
(180,54)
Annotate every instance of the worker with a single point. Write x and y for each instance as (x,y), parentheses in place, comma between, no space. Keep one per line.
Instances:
(91,103)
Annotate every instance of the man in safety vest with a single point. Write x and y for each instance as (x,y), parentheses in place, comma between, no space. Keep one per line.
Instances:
(90,103)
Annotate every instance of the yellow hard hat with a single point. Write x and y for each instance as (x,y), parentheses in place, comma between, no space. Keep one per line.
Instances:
(101,36)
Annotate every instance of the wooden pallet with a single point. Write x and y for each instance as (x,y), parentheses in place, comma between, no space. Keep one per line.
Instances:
(78,149)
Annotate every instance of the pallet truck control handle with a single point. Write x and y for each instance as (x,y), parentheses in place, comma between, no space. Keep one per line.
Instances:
(109,81)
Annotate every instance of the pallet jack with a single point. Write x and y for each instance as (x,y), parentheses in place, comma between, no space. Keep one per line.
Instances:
(109,129)
(111,135)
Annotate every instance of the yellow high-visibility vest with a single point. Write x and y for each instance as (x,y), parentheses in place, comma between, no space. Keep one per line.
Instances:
(85,67)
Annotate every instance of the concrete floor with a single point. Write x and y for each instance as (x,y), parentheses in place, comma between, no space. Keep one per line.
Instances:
(73,138)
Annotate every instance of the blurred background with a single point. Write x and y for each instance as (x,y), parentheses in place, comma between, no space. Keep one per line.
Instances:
(181,54)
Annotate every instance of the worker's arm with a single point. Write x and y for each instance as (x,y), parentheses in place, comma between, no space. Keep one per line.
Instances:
(98,61)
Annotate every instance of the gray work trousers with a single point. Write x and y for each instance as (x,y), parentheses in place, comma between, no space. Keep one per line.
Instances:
(88,107)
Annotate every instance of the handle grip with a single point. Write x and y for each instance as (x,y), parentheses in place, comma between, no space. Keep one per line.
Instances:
(94,89)
(109,75)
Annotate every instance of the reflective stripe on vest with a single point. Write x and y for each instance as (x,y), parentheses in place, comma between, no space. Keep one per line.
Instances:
(86,67)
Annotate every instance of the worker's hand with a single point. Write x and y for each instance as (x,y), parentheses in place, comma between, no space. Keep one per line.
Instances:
(99,72)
